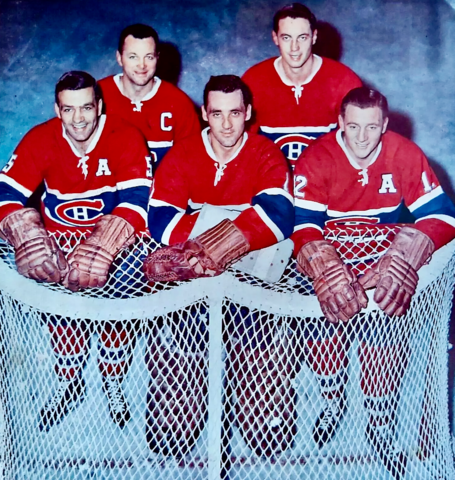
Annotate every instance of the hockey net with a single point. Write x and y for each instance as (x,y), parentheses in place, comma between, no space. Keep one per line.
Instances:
(227,377)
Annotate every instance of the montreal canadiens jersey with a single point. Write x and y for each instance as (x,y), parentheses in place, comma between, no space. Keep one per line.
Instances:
(114,176)
(291,116)
(255,182)
(331,189)
(164,115)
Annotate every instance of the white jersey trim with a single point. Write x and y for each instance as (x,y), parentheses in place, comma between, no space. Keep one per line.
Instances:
(93,142)
(15,202)
(209,149)
(152,144)
(309,205)
(154,202)
(277,191)
(138,182)
(141,211)
(151,94)
(234,208)
(170,227)
(17,186)
(292,130)
(362,213)
(281,73)
(340,141)
(271,225)
(75,196)
(426,198)
(308,225)
(444,218)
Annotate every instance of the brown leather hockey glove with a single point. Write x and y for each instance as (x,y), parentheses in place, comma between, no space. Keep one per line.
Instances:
(206,255)
(90,261)
(395,274)
(37,255)
(337,288)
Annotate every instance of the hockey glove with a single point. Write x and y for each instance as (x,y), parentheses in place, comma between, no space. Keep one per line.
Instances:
(337,288)
(395,274)
(37,255)
(90,261)
(206,255)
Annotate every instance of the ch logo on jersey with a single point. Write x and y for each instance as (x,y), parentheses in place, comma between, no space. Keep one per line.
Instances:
(164,121)
(9,164)
(387,184)
(292,145)
(80,213)
(103,168)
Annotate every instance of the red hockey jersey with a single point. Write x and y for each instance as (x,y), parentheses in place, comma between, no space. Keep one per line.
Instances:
(293,116)
(164,115)
(254,182)
(113,176)
(331,189)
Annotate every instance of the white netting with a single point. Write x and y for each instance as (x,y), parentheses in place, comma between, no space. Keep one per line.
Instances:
(228,377)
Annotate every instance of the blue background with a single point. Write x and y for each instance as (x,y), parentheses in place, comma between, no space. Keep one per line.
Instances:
(403,48)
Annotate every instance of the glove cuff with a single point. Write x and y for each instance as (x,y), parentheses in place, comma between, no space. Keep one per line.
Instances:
(316,257)
(21,226)
(112,233)
(224,243)
(413,246)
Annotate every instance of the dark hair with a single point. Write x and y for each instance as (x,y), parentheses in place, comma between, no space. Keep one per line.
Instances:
(138,30)
(294,10)
(227,84)
(364,97)
(76,80)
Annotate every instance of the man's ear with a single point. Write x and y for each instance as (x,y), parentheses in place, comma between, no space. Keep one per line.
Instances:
(315,36)
(118,56)
(204,114)
(384,126)
(341,122)
(275,38)
(57,110)
(100,107)
(248,113)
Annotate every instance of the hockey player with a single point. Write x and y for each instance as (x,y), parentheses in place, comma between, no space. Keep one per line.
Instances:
(96,176)
(382,172)
(296,99)
(223,168)
(297,96)
(160,110)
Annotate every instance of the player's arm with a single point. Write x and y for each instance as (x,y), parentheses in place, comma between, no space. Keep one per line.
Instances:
(168,220)
(268,220)
(37,255)
(336,287)
(91,259)
(395,274)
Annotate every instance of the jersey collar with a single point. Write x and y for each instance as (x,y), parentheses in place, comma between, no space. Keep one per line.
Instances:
(278,64)
(151,94)
(340,141)
(94,141)
(208,147)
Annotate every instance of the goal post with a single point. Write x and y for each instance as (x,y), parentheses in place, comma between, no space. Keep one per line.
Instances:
(228,375)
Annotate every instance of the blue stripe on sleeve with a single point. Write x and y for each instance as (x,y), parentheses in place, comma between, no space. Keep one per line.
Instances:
(159,218)
(441,205)
(10,194)
(279,210)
